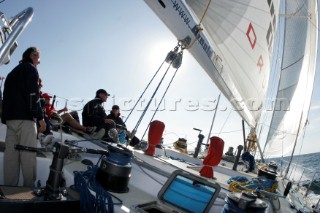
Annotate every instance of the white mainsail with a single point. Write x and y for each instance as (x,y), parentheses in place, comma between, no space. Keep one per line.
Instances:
(296,78)
(243,35)
(234,47)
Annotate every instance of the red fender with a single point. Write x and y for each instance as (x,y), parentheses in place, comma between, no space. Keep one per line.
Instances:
(154,136)
(213,157)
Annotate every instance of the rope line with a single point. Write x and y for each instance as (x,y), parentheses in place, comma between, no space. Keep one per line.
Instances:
(199,27)
(84,183)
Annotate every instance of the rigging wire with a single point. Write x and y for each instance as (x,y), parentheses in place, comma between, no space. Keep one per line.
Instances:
(181,52)
(174,61)
(214,117)
(302,140)
(145,90)
(224,123)
(146,108)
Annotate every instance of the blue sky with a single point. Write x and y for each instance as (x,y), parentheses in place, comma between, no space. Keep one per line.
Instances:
(119,45)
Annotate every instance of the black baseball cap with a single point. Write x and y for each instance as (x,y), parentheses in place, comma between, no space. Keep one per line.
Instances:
(101,91)
(115,107)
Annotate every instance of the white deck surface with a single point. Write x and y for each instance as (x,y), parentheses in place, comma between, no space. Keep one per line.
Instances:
(145,183)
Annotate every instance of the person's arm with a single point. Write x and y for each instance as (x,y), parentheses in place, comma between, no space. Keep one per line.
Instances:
(110,119)
(62,110)
(32,91)
(42,125)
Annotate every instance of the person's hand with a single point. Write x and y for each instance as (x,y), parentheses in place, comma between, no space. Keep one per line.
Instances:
(43,125)
(109,121)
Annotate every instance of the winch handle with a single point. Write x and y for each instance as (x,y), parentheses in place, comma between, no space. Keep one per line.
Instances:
(198,130)
(95,151)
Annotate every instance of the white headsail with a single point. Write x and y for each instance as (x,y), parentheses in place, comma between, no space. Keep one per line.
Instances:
(298,63)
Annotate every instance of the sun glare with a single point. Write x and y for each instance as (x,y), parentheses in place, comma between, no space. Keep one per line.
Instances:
(158,52)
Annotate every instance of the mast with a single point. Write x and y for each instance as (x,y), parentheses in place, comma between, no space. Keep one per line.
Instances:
(244,136)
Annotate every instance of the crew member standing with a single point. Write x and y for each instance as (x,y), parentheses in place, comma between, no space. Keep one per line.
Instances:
(21,112)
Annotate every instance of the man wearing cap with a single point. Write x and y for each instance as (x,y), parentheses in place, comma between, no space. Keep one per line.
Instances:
(93,113)
(115,115)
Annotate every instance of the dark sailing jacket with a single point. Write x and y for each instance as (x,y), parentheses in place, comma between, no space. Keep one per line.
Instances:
(117,119)
(21,94)
(93,113)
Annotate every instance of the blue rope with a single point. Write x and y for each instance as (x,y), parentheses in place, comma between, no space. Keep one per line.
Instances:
(86,181)
(240,179)
(265,183)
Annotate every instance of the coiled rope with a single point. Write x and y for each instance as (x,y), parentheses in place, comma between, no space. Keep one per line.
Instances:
(239,184)
(85,182)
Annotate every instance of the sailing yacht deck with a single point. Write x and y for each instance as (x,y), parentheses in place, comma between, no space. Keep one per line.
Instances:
(148,174)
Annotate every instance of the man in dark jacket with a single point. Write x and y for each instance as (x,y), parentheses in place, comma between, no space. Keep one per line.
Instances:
(21,111)
(93,113)
(115,115)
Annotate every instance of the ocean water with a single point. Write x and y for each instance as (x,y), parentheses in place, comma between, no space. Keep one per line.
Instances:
(304,172)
